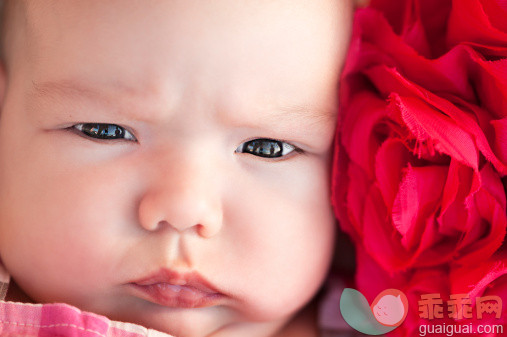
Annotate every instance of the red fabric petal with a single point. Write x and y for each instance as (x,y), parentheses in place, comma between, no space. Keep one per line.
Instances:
(390,161)
(500,142)
(468,23)
(416,201)
(436,129)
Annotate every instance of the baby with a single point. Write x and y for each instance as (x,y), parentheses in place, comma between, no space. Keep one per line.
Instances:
(167,163)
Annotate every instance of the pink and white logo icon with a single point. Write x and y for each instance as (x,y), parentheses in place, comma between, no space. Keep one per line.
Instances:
(386,313)
(390,307)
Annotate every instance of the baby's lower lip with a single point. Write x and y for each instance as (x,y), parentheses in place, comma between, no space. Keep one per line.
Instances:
(176,296)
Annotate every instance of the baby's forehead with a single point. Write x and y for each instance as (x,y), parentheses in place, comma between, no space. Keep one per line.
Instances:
(285,54)
(295,17)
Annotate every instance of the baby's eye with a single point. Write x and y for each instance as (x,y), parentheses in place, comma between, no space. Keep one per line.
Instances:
(104,131)
(266,148)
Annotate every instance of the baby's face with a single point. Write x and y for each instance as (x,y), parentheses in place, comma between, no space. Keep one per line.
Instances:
(143,143)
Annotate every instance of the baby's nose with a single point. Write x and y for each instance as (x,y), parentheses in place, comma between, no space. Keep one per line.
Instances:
(186,197)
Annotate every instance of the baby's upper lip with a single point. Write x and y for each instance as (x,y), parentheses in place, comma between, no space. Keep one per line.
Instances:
(190,279)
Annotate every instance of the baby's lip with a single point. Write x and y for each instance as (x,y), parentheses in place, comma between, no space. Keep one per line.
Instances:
(176,289)
(190,279)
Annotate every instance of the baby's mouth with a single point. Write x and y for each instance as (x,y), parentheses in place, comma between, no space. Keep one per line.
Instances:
(177,290)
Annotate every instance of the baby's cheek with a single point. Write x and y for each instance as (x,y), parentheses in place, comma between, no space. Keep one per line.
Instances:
(281,255)
(52,267)
(62,243)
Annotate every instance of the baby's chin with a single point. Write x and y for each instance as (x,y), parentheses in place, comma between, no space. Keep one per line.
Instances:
(216,321)
(191,328)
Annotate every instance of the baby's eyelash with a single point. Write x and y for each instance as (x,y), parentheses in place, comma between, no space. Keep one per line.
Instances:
(104,131)
(267,148)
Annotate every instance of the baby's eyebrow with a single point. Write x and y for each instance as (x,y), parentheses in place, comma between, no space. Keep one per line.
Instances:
(286,118)
(303,112)
(284,115)
(106,94)
(64,87)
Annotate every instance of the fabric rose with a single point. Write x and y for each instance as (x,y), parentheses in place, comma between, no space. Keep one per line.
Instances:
(422,146)
(420,171)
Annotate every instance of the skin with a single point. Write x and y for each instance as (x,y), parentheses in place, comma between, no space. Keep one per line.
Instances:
(191,80)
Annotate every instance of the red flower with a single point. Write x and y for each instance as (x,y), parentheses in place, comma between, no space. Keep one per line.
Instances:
(423,141)
(420,172)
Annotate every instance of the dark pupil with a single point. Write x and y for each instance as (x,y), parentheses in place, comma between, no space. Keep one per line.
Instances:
(103,131)
(264,148)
